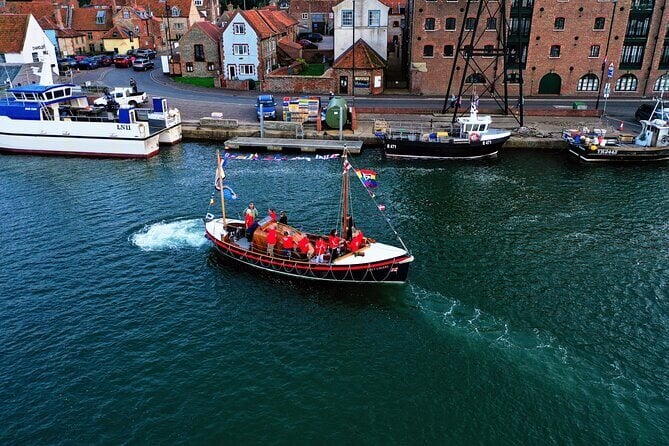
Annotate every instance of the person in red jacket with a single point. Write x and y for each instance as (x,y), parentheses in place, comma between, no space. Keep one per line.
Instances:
(272,215)
(333,244)
(271,240)
(288,244)
(320,250)
(305,248)
(357,241)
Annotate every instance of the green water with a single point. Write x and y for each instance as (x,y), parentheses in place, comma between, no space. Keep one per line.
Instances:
(535,313)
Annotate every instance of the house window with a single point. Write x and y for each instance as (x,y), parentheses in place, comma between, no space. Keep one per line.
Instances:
(662,83)
(589,82)
(429,24)
(91,48)
(361,82)
(559,23)
(632,54)
(178,26)
(189,67)
(450,24)
(374,18)
(35,57)
(247,69)
(428,51)
(305,16)
(594,51)
(211,66)
(239,28)
(347,17)
(513,77)
(488,50)
(626,82)
(555,51)
(491,24)
(198,52)
(100,17)
(448,51)
(470,23)
(599,23)
(396,24)
(475,78)
(90,35)
(176,12)
(240,49)
(126,14)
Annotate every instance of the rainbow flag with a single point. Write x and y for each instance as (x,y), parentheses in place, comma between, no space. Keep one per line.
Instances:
(368,177)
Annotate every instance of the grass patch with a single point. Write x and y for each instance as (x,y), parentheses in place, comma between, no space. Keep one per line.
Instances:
(313,69)
(198,81)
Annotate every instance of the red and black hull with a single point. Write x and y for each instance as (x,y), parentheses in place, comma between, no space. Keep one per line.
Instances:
(393,270)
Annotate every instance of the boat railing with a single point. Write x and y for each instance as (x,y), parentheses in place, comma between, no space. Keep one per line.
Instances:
(412,130)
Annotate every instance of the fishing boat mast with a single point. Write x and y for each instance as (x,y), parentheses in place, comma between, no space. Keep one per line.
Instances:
(220,176)
(344,191)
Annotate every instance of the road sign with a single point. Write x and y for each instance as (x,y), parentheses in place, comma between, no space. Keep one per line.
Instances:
(610,73)
(607,89)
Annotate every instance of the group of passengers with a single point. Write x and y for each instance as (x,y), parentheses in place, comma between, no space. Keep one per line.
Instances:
(297,245)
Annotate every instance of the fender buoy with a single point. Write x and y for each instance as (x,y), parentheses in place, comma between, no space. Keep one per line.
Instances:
(474,137)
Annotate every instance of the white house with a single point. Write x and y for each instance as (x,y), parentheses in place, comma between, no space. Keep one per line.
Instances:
(250,40)
(24,42)
(371,25)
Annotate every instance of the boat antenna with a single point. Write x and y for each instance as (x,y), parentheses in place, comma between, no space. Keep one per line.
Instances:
(220,175)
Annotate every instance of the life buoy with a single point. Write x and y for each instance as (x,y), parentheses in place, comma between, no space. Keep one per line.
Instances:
(474,137)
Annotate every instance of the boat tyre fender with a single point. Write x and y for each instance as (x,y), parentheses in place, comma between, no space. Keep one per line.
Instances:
(664,140)
(474,137)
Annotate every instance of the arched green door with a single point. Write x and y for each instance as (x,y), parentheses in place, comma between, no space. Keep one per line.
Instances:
(550,84)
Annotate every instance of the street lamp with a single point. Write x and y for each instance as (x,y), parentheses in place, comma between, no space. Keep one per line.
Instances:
(168,35)
(606,54)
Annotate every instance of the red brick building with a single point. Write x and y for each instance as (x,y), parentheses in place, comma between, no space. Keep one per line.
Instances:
(561,45)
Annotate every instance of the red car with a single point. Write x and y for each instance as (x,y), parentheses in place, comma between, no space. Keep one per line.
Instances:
(123,62)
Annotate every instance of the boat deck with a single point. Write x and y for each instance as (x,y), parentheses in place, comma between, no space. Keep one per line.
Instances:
(285,144)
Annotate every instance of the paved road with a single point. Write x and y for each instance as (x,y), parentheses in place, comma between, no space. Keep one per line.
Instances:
(196,102)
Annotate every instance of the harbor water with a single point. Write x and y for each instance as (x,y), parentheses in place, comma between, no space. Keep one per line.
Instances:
(536,311)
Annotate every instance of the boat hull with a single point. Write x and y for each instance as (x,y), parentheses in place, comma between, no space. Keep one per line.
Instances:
(619,154)
(457,149)
(394,270)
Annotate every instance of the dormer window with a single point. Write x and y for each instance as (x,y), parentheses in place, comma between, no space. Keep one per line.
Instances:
(126,14)
(176,12)
(100,17)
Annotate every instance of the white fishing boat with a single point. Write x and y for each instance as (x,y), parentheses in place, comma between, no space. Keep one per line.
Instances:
(58,120)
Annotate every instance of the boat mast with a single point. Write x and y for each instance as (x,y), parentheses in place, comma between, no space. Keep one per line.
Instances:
(219,174)
(344,192)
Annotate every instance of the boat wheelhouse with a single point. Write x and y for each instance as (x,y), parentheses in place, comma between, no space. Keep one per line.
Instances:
(59,120)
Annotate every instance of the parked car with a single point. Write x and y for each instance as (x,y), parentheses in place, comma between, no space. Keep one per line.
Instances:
(89,63)
(146,53)
(142,64)
(123,61)
(104,60)
(268,106)
(307,44)
(644,111)
(313,37)
(66,63)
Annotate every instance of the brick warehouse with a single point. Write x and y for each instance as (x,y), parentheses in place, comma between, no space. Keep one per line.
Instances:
(561,43)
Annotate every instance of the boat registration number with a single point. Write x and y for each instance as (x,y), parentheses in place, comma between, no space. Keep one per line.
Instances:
(607,152)
(391,146)
(123,127)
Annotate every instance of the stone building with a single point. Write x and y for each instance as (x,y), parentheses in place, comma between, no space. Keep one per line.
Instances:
(313,15)
(200,51)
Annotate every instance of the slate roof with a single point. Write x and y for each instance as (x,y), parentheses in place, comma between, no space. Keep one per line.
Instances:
(13,29)
(365,57)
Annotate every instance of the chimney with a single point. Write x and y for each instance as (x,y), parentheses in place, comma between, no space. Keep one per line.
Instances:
(58,16)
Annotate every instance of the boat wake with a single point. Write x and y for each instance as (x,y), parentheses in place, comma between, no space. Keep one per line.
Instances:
(475,324)
(177,235)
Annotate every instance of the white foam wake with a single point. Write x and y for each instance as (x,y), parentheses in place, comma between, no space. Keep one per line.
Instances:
(178,234)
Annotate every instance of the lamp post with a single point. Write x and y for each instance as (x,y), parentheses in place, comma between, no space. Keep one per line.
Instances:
(168,35)
(606,54)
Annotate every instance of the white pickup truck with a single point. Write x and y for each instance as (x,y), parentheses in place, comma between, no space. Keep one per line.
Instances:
(123,96)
